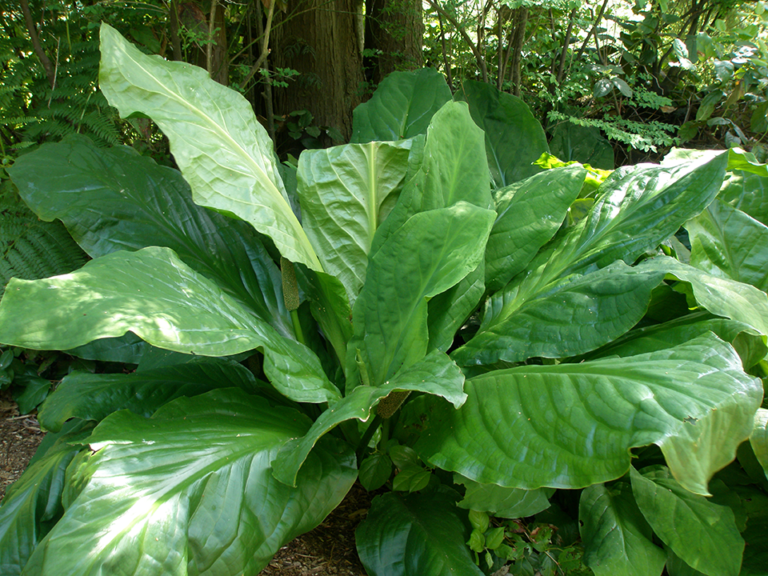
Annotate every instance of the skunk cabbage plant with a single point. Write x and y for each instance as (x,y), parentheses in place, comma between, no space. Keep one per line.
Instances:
(426,309)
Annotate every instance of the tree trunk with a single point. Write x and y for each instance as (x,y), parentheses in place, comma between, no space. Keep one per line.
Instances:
(521,20)
(319,40)
(395,29)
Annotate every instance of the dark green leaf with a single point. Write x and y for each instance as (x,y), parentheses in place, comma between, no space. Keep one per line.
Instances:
(401,107)
(415,535)
(35,391)
(500,501)
(95,396)
(411,480)
(128,349)
(701,533)
(115,199)
(514,139)
(617,539)
(190,491)
(759,439)
(571,142)
(747,192)
(375,470)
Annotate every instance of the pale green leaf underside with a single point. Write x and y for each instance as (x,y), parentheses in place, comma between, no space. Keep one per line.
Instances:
(435,374)
(617,539)
(190,491)
(501,501)
(346,192)
(572,425)
(700,532)
(157,297)
(222,150)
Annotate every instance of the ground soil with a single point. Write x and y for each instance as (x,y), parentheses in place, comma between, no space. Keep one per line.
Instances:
(328,549)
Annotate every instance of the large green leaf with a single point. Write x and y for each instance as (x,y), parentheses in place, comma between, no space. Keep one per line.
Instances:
(747,341)
(617,539)
(401,107)
(128,349)
(514,139)
(721,296)
(638,208)
(95,396)
(430,253)
(573,143)
(572,425)
(190,491)
(33,504)
(450,168)
(222,150)
(701,533)
(759,439)
(529,214)
(115,199)
(420,534)
(567,318)
(346,192)
(727,242)
(448,310)
(747,192)
(156,296)
(500,501)
(435,374)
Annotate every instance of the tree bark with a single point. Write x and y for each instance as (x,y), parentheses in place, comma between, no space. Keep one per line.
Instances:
(394,28)
(39,52)
(319,39)
(521,20)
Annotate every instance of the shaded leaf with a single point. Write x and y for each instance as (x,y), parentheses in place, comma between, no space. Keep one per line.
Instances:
(617,539)
(401,107)
(500,501)
(759,439)
(514,139)
(701,533)
(156,296)
(415,535)
(190,491)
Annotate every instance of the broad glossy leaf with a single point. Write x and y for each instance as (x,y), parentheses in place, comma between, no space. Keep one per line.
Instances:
(514,139)
(572,425)
(95,396)
(759,439)
(222,150)
(529,214)
(190,491)
(430,253)
(156,296)
(756,535)
(419,534)
(115,199)
(500,501)
(746,192)
(701,533)
(723,297)
(637,209)
(450,168)
(747,341)
(401,107)
(374,471)
(567,318)
(449,310)
(727,242)
(435,374)
(617,539)
(33,504)
(346,192)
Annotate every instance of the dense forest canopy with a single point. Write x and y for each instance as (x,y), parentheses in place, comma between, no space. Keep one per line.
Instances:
(645,74)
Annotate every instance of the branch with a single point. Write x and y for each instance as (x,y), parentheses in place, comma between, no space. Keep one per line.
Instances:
(44,60)
(465,36)
(265,45)
(593,30)
(209,48)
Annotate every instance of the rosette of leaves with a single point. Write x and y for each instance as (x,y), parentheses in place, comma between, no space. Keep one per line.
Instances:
(430,313)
